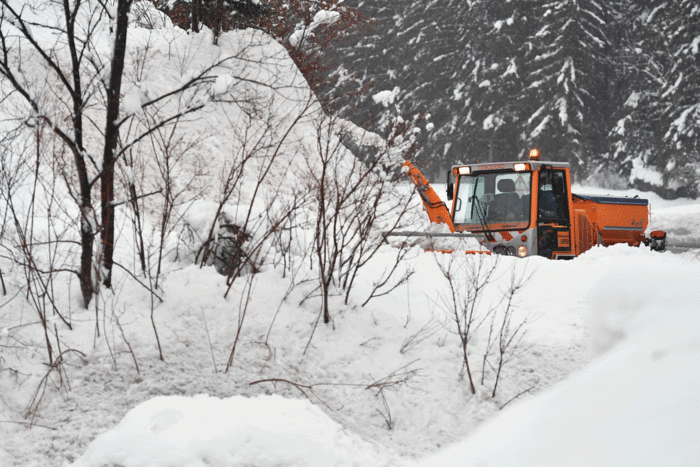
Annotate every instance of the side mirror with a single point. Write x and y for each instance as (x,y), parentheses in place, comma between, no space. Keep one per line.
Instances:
(450,187)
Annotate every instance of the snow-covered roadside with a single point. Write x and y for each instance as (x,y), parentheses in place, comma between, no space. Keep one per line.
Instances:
(363,346)
(643,329)
(569,298)
(638,403)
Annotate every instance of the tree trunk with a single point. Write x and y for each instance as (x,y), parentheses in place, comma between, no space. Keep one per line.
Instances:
(87,234)
(218,20)
(111,139)
(85,275)
(196,7)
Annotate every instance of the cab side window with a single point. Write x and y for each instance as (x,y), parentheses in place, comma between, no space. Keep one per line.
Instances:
(553,197)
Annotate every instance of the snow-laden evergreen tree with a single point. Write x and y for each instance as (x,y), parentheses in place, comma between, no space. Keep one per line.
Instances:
(680,98)
(656,135)
(498,45)
(592,83)
(643,59)
(422,49)
(567,95)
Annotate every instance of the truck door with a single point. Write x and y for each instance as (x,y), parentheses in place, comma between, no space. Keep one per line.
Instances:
(553,225)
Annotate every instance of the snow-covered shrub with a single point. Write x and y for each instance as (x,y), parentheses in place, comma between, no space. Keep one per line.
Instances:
(225,248)
(351,204)
(470,307)
(144,14)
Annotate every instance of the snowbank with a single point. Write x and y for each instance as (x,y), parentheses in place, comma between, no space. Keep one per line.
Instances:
(637,404)
(266,431)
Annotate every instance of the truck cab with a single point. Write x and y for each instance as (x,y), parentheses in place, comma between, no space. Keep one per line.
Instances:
(527,208)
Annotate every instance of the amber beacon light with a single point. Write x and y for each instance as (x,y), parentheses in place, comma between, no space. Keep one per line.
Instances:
(534,155)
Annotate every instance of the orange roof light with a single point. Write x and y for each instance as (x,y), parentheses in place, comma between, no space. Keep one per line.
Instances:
(534,155)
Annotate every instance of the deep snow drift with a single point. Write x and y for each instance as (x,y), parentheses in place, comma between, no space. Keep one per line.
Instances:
(636,401)
(261,431)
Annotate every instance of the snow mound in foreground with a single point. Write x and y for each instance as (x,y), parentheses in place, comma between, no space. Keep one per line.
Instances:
(208,431)
(637,404)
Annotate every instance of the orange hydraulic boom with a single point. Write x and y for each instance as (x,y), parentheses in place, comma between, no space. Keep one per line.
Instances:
(437,210)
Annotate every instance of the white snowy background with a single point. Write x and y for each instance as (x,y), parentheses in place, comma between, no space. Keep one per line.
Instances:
(609,373)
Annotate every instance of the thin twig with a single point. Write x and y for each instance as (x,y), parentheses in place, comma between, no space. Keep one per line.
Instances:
(29,424)
(428,330)
(116,204)
(386,415)
(519,394)
(127,344)
(313,330)
(401,376)
(150,289)
(300,387)
(211,348)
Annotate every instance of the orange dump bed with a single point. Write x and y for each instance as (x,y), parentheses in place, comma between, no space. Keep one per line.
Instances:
(611,220)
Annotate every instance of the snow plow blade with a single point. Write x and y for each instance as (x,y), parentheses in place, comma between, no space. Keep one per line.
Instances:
(429,234)
(438,234)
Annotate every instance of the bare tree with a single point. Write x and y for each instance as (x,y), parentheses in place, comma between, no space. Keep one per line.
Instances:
(467,278)
(15,41)
(262,144)
(73,85)
(160,177)
(508,336)
(36,226)
(352,198)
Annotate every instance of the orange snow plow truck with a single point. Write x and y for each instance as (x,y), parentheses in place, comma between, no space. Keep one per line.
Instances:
(526,208)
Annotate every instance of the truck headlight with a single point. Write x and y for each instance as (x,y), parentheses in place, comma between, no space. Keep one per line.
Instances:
(522,251)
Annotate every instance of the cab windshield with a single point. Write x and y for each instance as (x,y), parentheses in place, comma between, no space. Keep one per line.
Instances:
(493,201)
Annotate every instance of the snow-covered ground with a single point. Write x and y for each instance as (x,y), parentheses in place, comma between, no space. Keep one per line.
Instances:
(613,363)
(638,401)
(608,371)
